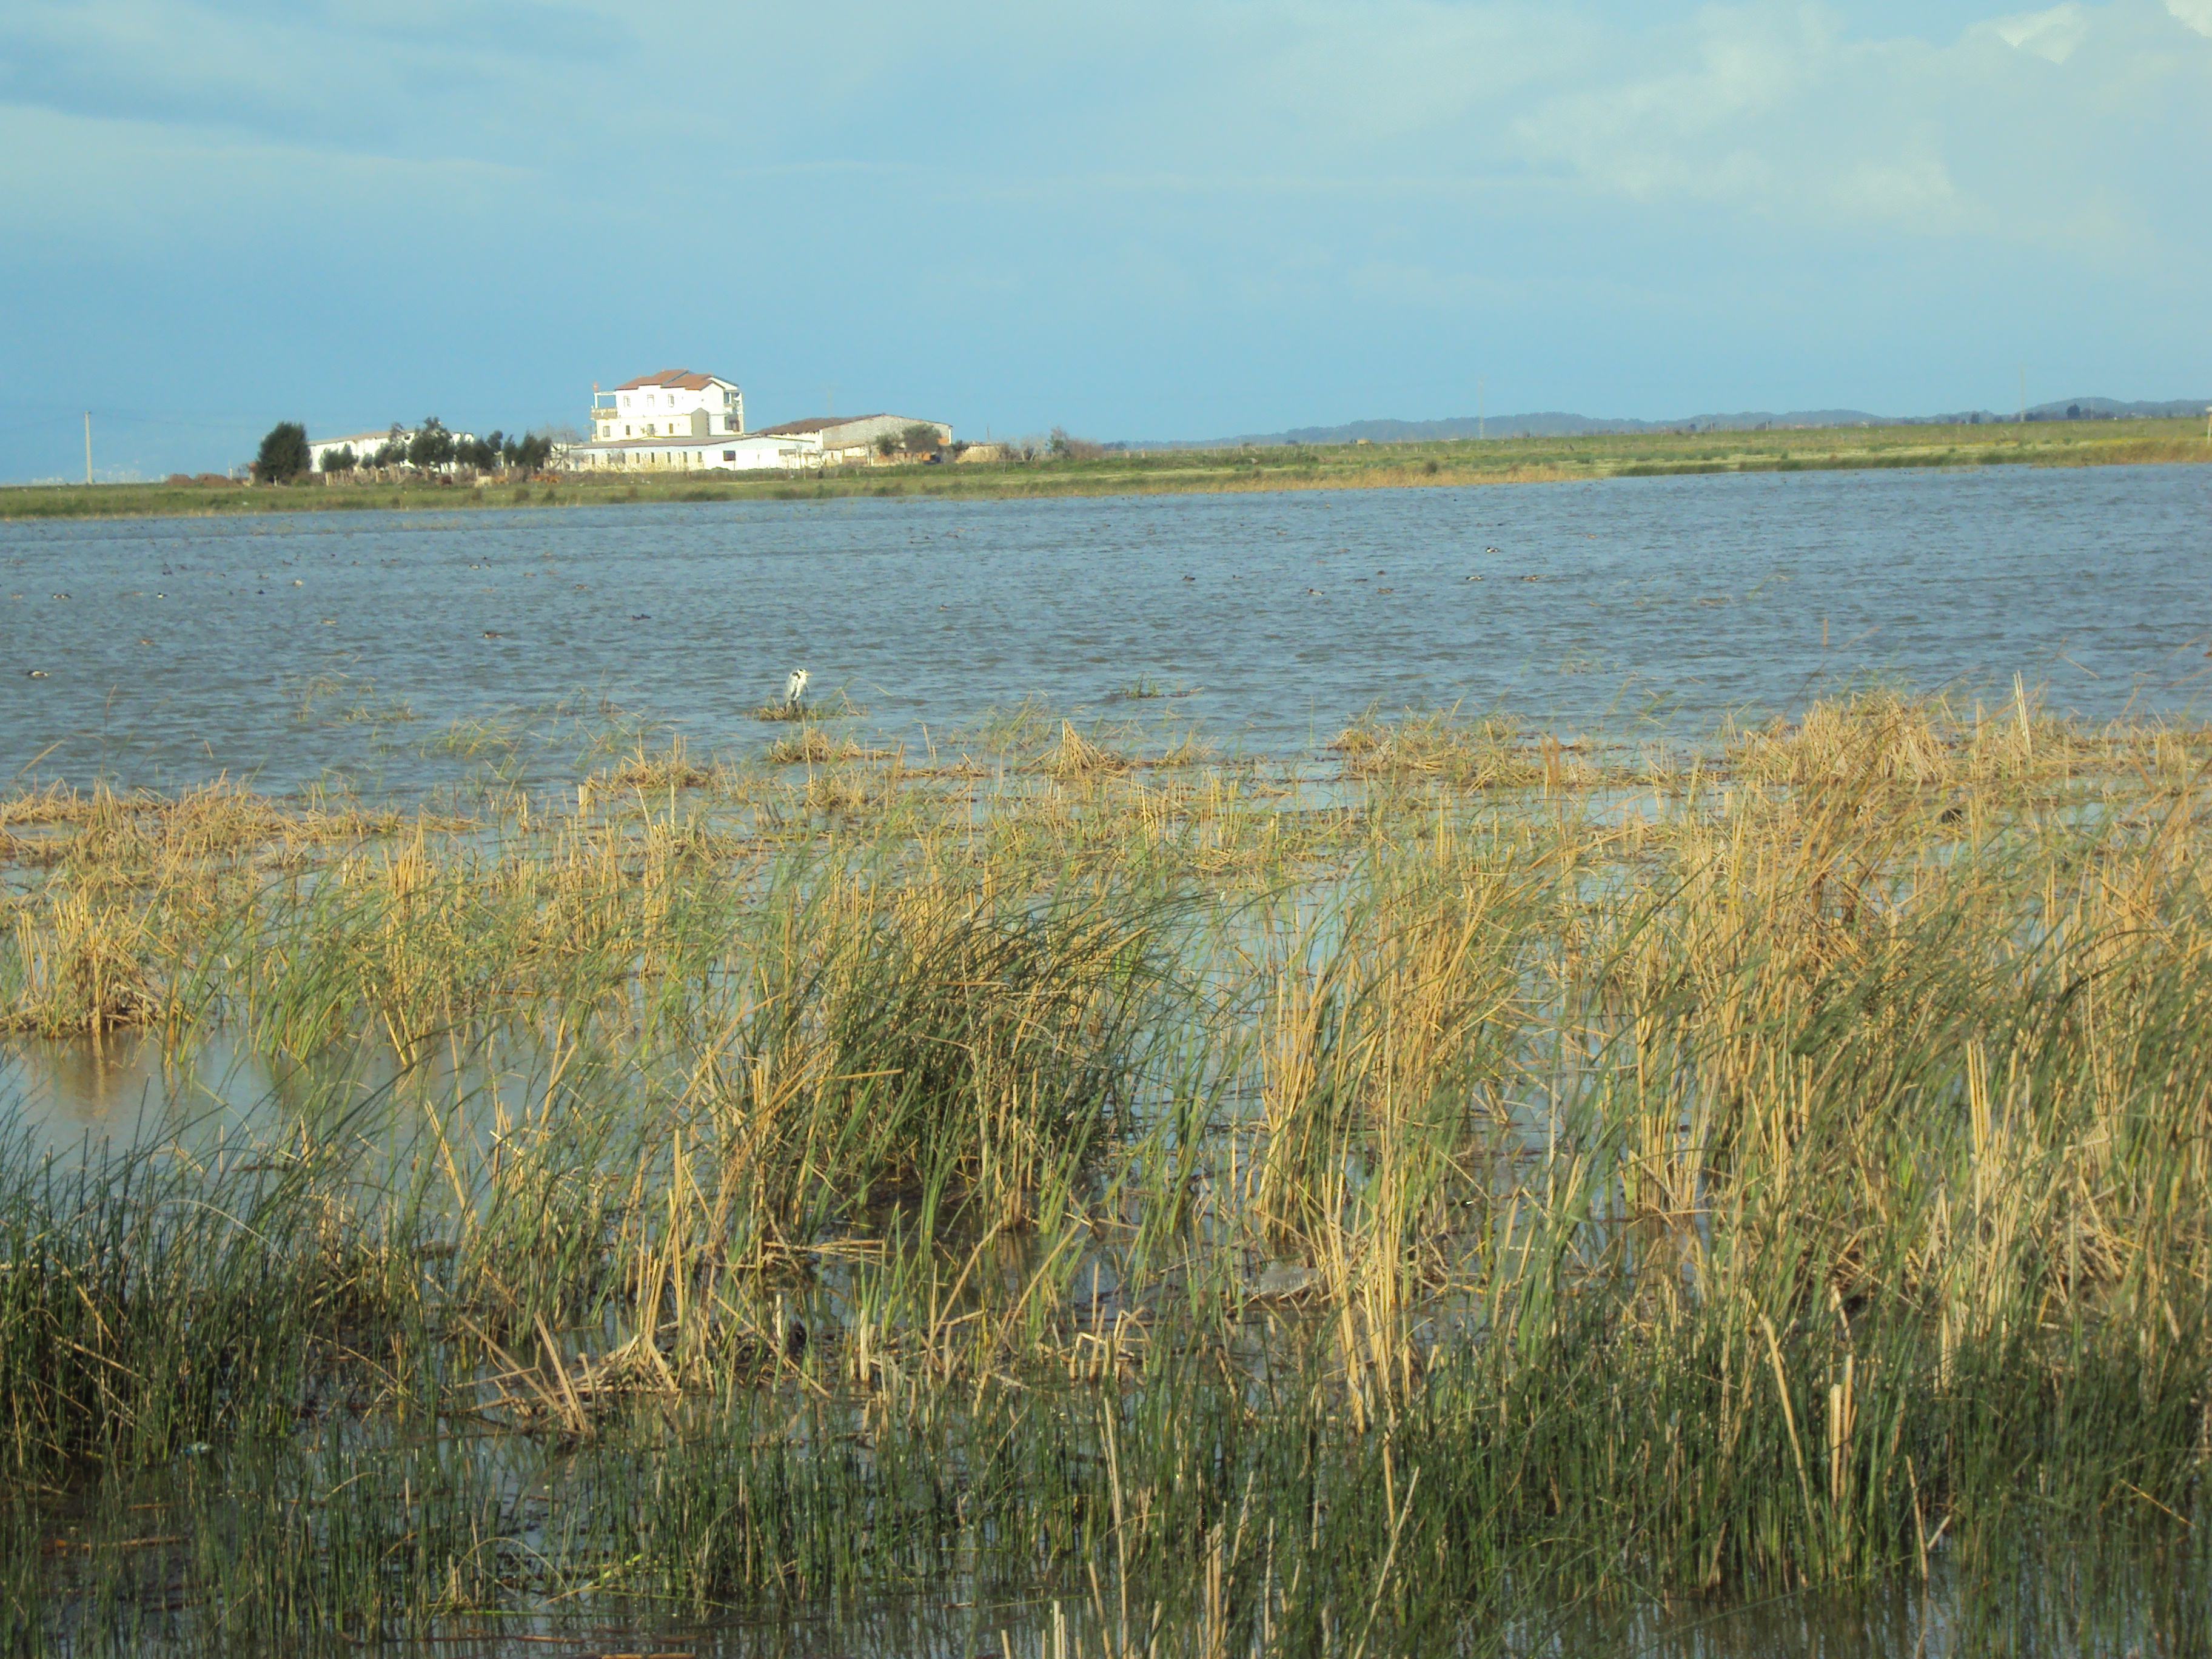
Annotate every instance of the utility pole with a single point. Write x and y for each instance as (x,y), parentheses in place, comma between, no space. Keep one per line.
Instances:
(88,445)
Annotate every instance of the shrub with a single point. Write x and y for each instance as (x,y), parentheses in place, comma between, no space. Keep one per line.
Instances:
(283,454)
(1067,448)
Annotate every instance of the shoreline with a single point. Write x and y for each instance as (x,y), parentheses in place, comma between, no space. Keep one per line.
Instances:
(1456,463)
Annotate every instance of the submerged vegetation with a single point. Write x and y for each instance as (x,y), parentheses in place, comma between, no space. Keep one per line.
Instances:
(1075,468)
(1052,1197)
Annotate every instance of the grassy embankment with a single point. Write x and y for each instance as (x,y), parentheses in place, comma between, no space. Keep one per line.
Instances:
(1340,467)
(1125,1203)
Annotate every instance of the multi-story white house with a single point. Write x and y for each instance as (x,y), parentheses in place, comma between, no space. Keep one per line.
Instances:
(673,404)
(682,421)
(679,422)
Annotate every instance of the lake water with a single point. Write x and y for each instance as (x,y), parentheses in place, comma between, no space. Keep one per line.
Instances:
(175,649)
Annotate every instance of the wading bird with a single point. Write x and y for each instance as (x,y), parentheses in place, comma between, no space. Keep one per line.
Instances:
(794,688)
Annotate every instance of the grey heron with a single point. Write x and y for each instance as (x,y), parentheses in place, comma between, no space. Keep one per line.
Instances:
(794,688)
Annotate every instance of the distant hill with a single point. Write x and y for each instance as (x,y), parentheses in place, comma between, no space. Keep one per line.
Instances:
(1556,423)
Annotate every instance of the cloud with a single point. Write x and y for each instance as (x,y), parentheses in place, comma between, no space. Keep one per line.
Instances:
(397,75)
(2052,35)
(1772,110)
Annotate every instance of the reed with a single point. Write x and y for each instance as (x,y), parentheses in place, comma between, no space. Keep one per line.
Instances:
(1520,1195)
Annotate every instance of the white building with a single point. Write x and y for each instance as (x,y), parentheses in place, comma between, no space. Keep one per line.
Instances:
(853,438)
(662,455)
(679,421)
(363,444)
(676,421)
(673,404)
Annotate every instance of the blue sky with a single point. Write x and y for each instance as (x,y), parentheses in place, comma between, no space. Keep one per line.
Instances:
(1139,220)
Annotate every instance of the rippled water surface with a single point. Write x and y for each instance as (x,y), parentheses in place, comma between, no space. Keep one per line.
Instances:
(290,648)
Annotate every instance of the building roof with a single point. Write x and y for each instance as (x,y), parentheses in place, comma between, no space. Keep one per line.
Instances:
(826,423)
(679,379)
(675,440)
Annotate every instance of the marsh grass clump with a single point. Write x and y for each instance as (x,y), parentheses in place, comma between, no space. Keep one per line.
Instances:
(672,767)
(1471,754)
(1508,1195)
(1882,737)
(969,1051)
(812,746)
(1076,756)
(837,706)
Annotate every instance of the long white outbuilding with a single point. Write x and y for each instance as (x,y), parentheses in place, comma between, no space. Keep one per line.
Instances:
(727,454)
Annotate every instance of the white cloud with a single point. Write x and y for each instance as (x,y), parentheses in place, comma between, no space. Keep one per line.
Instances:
(1770,109)
(2197,14)
(2052,34)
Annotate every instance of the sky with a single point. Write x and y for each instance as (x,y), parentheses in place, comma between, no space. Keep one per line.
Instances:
(1144,221)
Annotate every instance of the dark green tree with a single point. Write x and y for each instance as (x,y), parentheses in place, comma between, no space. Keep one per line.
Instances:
(283,454)
(530,453)
(431,447)
(340,460)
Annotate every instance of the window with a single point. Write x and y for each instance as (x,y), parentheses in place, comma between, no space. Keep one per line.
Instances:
(626,432)
(729,454)
(625,400)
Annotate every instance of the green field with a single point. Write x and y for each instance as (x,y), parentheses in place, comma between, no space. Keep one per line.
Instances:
(1341,466)
(1499,1197)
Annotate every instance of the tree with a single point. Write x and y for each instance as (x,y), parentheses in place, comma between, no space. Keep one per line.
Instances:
(432,446)
(529,452)
(887,444)
(481,454)
(283,454)
(919,438)
(340,460)
(393,452)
